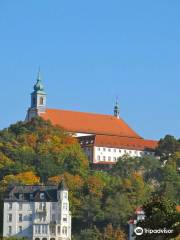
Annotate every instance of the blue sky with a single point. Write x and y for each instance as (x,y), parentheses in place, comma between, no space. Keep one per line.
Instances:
(89,53)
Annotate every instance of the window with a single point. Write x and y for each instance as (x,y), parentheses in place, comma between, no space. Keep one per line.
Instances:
(20,228)
(65,206)
(20,217)
(109,158)
(64,230)
(104,149)
(42,206)
(44,229)
(10,206)
(65,195)
(109,150)
(9,230)
(20,206)
(114,158)
(120,150)
(114,150)
(64,217)
(52,229)
(59,229)
(42,196)
(130,152)
(104,158)
(99,149)
(39,229)
(125,151)
(98,158)
(41,101)
(9,217)
(20,196)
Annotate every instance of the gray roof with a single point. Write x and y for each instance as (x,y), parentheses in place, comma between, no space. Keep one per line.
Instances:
(32,193)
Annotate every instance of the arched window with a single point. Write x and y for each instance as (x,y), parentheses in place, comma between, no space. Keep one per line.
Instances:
(52,238)
(37,238)
(41,101)
(64,230)
(44,239)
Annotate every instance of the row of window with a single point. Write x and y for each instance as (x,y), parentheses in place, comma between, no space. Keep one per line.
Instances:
(20,217)
(20,206)
(42,206)
(109,149)
(20,229)
(43,229)
(123,151)
(103,158)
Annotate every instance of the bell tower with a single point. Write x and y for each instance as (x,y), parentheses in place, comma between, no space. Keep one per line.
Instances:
(116,109)
(38,99)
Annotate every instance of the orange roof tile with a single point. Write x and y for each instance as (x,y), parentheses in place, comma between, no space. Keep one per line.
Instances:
(124,142)
(178,208)
(90,123)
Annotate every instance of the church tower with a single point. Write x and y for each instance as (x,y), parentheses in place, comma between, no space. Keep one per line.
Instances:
(116,109)
(38,100)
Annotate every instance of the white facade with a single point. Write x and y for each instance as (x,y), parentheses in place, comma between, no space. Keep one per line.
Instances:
(38,220)
(106,154)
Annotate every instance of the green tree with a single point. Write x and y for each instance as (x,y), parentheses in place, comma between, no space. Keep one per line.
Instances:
(160,213)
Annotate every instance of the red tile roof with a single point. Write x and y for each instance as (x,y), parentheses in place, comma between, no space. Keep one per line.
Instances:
(89,123)
(124,142)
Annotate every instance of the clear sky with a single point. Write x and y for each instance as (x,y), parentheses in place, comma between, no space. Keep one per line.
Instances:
(89,53)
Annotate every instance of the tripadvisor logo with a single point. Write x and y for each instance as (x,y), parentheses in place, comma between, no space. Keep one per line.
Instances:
(138,231)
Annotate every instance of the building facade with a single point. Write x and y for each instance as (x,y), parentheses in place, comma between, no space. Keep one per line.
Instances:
(37,212)
(104,138)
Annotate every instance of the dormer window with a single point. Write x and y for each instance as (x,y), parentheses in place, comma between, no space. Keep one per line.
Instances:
(42,196)
(20,196)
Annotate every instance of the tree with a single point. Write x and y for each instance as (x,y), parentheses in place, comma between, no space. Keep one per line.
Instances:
(111,233)
(167,146)
(161,213)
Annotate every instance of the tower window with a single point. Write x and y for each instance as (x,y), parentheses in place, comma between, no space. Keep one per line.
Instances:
(64,230)
(41,101)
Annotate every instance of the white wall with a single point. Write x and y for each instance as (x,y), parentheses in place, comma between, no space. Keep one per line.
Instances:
(105,154)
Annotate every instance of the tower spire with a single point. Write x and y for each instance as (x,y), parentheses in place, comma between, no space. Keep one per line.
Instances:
(116,109)
(39,74)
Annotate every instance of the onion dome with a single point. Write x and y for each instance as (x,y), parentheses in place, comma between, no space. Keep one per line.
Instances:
(38,87)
